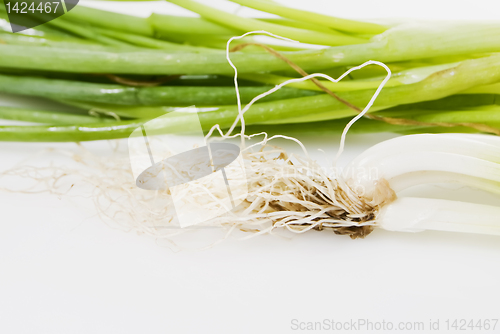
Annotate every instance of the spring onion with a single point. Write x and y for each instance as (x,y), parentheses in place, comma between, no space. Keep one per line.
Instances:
(135,70)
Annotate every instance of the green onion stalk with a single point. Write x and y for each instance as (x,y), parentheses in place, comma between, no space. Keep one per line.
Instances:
(478,72)
(132,68)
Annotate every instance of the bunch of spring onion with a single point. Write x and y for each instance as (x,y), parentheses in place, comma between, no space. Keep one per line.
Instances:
(113,73)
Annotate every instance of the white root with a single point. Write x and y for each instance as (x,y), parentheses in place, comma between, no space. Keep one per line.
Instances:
(285,192)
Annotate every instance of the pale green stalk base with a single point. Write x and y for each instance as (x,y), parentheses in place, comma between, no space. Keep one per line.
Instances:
(419,214)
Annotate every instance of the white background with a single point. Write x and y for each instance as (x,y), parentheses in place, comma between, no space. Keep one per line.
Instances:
(62,270)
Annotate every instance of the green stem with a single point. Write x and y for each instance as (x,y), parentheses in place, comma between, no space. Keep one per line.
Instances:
(208,96)
(488,89)
(171,24)
(397,44)
(298,24)
(324,107)
(47,117)
(69,133)
(148,42)
(362,126)
(110,20)
(341,86)
(365,125)
(123,95)
(116,130)
(49,41)
(398,78)
(137,112)
(85,32)
(485,114)
(453,102)
(247,24)
(313,18)
(220,42)
(439,85)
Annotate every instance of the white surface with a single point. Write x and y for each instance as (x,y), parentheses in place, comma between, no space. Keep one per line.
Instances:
(64,271)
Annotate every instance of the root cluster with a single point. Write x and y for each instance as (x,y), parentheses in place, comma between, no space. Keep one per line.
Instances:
(284,192)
